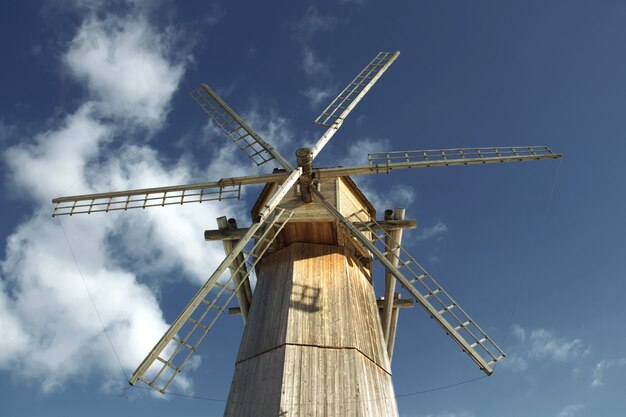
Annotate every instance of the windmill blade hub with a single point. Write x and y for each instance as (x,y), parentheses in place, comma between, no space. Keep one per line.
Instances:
(304,158)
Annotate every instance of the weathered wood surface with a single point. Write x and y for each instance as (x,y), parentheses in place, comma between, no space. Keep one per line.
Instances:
(304,212)
(313,345)
(244,294)
(320,232)
(392,240)
(342,192)
(350,200)
(397,303)
(386,225)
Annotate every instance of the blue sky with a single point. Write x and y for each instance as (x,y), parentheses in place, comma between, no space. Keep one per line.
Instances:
(95,97)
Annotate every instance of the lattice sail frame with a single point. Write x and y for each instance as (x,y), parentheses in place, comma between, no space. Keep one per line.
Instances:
(173,351)
(430,289)
(236,128)
(149,197)
(355,90)
(450,316)
(459,155)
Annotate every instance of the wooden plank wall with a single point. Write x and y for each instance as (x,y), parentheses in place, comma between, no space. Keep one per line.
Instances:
(310,212)
(345,315)
(339,191)
(349,202)
(314,321)
(319,232)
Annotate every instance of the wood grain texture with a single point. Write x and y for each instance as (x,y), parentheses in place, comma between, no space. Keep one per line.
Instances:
(319,232)
(342,192)
(313,345)
(351,202)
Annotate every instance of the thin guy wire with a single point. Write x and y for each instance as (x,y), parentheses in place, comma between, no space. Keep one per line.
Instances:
(93,303)
(409,394)
(441,388)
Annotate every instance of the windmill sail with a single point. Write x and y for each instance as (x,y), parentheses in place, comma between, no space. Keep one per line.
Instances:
(339,108)
(144,198)
(226,188)
(337,111)
(462,156)
(243,135)
(172,352)
(385,162)
(427,292)
(171,344)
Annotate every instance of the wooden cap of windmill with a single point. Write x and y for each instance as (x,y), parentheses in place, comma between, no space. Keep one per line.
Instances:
(311,222)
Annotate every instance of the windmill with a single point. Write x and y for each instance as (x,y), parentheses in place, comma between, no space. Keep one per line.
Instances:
(316,340)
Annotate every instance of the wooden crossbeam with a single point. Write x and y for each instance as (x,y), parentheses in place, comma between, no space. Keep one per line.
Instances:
(387,225)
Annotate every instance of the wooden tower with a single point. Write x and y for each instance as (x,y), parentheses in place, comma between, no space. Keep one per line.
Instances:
(316,341)
(313,344)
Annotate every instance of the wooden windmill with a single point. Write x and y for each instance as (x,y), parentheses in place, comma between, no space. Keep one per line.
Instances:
(316,341)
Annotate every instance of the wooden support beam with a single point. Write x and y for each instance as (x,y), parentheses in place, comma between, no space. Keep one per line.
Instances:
(393,327)
(244,294)
(392,240)
(236,234)
(304,158)
(398,302)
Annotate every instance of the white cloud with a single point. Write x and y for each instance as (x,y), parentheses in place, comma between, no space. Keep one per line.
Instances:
(541,345)
(58,334)
(311,23)
(398,195)
(601,367)
(358,150)
(433,259)
(13,338)
(56,159)
(544,345)
(51,332)
(165,239)
(571,410)
(316,69)
(515,362)
(434,231)
(125,64)
(518,332)
(6,131)
(312,65)
(215,15)
(273,128)
(317,96)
